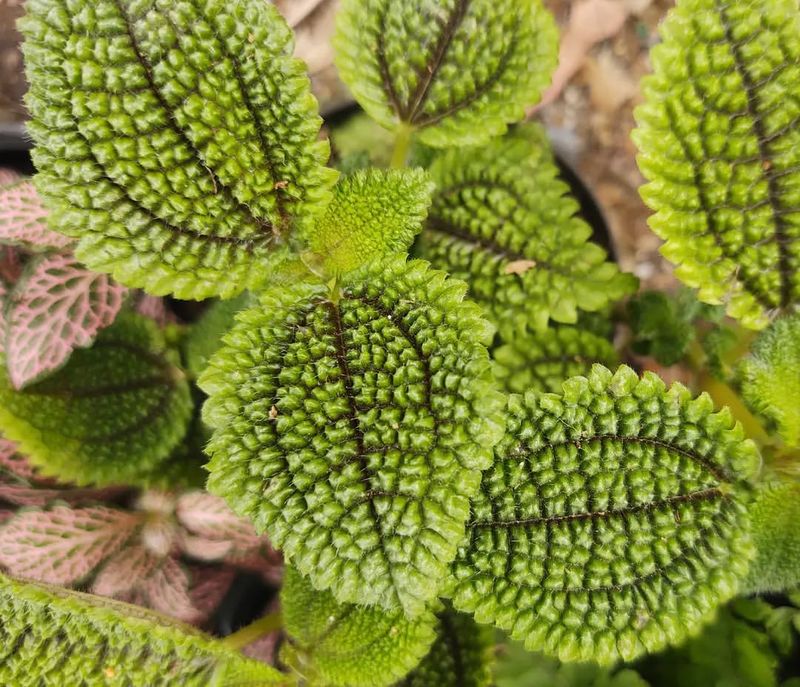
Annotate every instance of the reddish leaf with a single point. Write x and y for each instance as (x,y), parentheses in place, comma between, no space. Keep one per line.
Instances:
(8,176)
(204,549)
(167,591)
(10,264)
(124,570)
(63,545)
(23,219)
(58,306)
(264,561)
(209,587)
(209,517)
(265,648)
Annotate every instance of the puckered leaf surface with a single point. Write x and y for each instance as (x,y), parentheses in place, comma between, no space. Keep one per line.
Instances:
(53,637)
(613,520)
(111,415)
(500,220)
(343,645)
(461,656)
(542,361)
(353,432)
(457,70)
(58,305)
(719,142)
(177,141)
(770,377)
(373,213)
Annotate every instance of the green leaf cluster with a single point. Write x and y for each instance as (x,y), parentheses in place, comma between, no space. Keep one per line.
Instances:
(353,430)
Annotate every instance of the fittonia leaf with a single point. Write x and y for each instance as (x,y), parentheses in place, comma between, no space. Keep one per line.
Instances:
(353,430)
(58,305)
(113,414)
(613,522)
(23,219)
(176,141)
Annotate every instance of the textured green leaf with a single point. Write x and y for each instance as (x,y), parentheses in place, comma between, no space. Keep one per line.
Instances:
(176,140)
(205,335)
(776,534)
(613,521)
(335,645)
(461,656)
(373,213)
(353,432)
(500,220)
(719,143)
(770,377)
(457,70)
(51,637)
(543,361)
(113,414)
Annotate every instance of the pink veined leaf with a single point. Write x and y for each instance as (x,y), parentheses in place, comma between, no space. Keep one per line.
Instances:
(167,591)
(209,587)
(23,219)
(63,545)
(57,307)
(156,309)
(124,570)
(10,264)
(264,561)
(204,549)
(209,517)
(8,176)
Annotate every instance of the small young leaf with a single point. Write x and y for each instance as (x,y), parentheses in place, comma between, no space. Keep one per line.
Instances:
(373,213)
(155,308)
(347,645)
(662,325)
(177,141)
(457,70)
(719,143)
(775,514)
(613,520)
(461,656)
(23,219)
(57,306)
(770,377)
(353,431)
(542,362)
(53,637)
(112,415)
(63,545)
(503,204)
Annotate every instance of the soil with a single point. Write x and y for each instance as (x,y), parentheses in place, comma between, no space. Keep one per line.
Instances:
(590,121)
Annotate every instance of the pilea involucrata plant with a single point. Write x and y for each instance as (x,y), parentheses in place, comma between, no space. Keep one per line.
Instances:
(409,381)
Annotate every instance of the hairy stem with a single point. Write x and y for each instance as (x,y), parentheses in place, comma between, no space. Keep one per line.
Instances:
(402,144)
(254,631)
